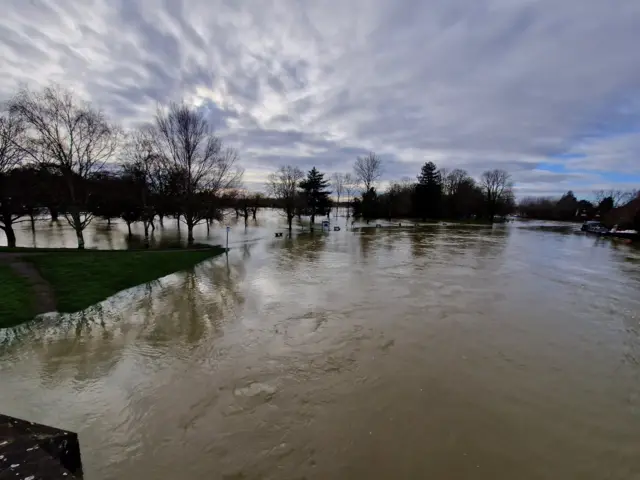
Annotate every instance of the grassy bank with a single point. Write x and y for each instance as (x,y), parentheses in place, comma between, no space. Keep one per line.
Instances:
(15,303)
(79,279)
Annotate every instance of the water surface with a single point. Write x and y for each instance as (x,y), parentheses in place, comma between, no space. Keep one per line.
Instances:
(433,352)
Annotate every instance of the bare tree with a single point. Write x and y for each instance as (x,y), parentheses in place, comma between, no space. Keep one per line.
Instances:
(243,202)
(12,136)
(350,185)
(368,170)
(619,197)
(337,181)
(190,151)
(283,186)
(256,202)
(497,187)
(142,166)
(70,137)
(451,181)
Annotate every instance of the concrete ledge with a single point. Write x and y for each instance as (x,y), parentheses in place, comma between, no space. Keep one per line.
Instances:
(30,451)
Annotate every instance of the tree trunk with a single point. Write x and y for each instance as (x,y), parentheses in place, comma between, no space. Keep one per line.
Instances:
(80,236)
(161,221)
(146,235)
(77,226)
(313,221)
(10,234)
(290,220)
(53,211)
(129,228)
(109,222)
(253,213)
(189,231)
(33,222)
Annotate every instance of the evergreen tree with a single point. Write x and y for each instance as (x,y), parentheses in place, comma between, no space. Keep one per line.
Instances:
(316,194)
(567,206)
(428,193)
(606,205)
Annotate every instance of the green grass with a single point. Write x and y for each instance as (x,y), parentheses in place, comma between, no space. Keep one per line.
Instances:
(15,298)
(166,246)
(82,278)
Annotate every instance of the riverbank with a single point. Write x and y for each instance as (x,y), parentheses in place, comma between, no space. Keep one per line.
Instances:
(35,281)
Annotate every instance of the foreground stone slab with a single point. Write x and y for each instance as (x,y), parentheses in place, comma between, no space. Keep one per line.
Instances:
(30,451)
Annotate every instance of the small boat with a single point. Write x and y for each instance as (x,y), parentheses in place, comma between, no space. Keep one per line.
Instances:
(593,226)
(598,228)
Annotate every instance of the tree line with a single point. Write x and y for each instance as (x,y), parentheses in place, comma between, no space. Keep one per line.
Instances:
(63,157)
(437,193)
(610,206)
(58,154)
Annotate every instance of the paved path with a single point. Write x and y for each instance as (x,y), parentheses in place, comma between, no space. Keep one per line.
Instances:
(44,300)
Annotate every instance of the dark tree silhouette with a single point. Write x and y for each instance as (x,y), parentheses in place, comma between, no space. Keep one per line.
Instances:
(338,184)
(283,186)
(367,171)
(12,137)
(428,192)
(193,156)
(71,138)
(316,194)
(497,187)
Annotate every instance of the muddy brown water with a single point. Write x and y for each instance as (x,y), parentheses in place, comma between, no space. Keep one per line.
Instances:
(439,352)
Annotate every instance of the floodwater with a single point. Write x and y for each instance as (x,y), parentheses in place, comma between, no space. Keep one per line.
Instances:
(435,352)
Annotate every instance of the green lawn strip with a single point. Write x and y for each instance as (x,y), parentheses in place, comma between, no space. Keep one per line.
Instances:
(83,278)
(15,298)
(167,246)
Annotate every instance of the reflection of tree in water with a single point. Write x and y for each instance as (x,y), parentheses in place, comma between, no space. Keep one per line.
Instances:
(492,242)
(175,313)
(422,241)
(103,236)
(306,247)
(367,237)
(441,243)
(195,304)
(92,351)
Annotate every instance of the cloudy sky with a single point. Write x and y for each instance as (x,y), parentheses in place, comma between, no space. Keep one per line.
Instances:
(546,89)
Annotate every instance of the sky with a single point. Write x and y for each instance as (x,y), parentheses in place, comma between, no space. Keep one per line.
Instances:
(548,90)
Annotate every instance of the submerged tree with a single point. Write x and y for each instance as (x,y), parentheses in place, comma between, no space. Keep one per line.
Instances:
(428,192)
(142,171)
(338,184)
(283,186)
(69,137)
(497,187)
(350,187)
(367,171)
(11,140)
(316,194)
(195,157)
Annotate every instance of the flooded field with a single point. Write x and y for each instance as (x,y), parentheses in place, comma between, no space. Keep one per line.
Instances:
(434,352)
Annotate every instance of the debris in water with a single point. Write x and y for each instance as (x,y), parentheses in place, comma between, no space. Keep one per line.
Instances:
(255,389)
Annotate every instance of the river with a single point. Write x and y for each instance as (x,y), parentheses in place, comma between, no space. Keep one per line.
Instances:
(385,353)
